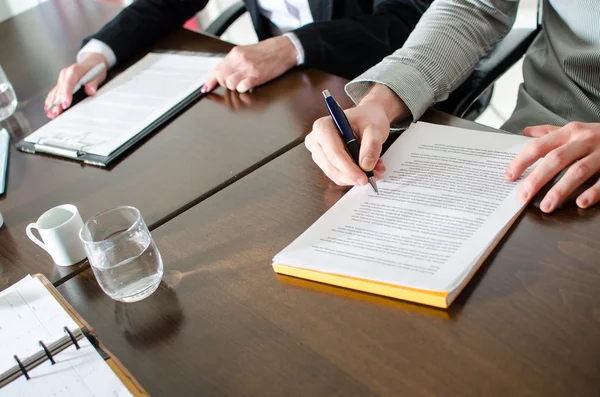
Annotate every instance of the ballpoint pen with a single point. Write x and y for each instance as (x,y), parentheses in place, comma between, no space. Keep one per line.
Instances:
(343,125)
(89,76)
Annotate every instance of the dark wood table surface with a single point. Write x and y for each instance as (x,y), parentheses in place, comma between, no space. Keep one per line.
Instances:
(213,143)
(222,323)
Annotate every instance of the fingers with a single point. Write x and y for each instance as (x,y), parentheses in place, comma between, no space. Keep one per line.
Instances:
(247,84)
(370,146)
(92,87)
(590,197)
(379,169)
(210,84)
(533,152)
(554,162)
(370,125)
(49,101)
(575,176)
(224,77)
(540,130)
(577,146)
(49,98)
(233,80)
(245,67)
(319,157)
(54,107)
(68,80)
(332,172)
(61,96)
(220,78)
(326,135)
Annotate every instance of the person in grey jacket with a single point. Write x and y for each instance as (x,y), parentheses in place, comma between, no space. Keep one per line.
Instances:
(558,102)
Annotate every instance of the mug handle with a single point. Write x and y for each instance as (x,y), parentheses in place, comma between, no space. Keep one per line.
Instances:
(33,238)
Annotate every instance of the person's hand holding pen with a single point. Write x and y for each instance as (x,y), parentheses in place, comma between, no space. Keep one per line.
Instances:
(62,94)
(370,121)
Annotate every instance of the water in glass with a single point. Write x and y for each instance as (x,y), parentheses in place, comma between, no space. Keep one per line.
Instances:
(134,277)
(122,254)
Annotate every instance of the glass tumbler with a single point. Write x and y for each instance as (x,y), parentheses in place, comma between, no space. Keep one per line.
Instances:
(122,254)
(8,98)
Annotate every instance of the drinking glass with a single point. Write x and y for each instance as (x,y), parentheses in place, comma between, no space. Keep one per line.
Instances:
(8,98)
(122,253)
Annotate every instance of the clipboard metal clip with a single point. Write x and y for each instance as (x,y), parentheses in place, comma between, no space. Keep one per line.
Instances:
(60,147)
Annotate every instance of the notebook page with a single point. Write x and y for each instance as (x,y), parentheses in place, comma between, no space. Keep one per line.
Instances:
(28,314)
(128,103)
(442,202)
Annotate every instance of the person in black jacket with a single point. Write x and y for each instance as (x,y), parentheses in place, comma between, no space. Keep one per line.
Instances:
(342,37)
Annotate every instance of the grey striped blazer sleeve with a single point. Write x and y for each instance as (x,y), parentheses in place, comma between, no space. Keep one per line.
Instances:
(440,53)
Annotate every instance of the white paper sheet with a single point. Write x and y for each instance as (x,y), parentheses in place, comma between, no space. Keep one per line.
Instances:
(127,104)
(28,314)
(442,203)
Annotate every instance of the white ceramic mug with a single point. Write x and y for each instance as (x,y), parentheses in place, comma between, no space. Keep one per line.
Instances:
(59,228)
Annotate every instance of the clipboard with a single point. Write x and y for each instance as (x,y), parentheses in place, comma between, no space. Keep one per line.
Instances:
(76,151)
(85,331)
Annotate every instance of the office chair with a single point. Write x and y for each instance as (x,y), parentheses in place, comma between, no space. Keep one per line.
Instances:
(473,96)
(226,19)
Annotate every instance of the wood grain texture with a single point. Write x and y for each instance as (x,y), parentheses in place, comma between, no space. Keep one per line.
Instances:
(224,324)
(214,142)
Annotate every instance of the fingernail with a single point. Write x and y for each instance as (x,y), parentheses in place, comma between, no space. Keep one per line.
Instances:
(368,163)
(509,176)
(46,107)
(65,104)
(93,90)
(203,89)
(49,114)
(547,205)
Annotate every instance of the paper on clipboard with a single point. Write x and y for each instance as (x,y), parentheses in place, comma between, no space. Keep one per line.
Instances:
(121,109)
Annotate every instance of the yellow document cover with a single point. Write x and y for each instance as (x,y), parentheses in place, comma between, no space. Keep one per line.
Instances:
(431,298)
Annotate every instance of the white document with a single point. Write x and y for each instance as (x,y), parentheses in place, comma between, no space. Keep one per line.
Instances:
(443,203)
(127,104)
(28,314)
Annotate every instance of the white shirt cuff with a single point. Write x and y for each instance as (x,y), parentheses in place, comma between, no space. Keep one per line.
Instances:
(98,47)
(299,49)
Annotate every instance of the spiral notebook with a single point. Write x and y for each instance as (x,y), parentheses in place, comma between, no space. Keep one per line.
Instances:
(47,349)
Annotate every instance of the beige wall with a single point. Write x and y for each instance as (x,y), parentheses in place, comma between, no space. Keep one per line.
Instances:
(8,8)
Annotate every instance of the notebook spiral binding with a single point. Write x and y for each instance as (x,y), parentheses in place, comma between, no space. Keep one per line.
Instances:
(48,352)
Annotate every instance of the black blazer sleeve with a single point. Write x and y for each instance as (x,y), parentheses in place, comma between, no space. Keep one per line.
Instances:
(143,23)
(349,46)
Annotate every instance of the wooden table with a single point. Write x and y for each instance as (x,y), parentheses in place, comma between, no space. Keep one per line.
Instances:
(223,324)
(213,143)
